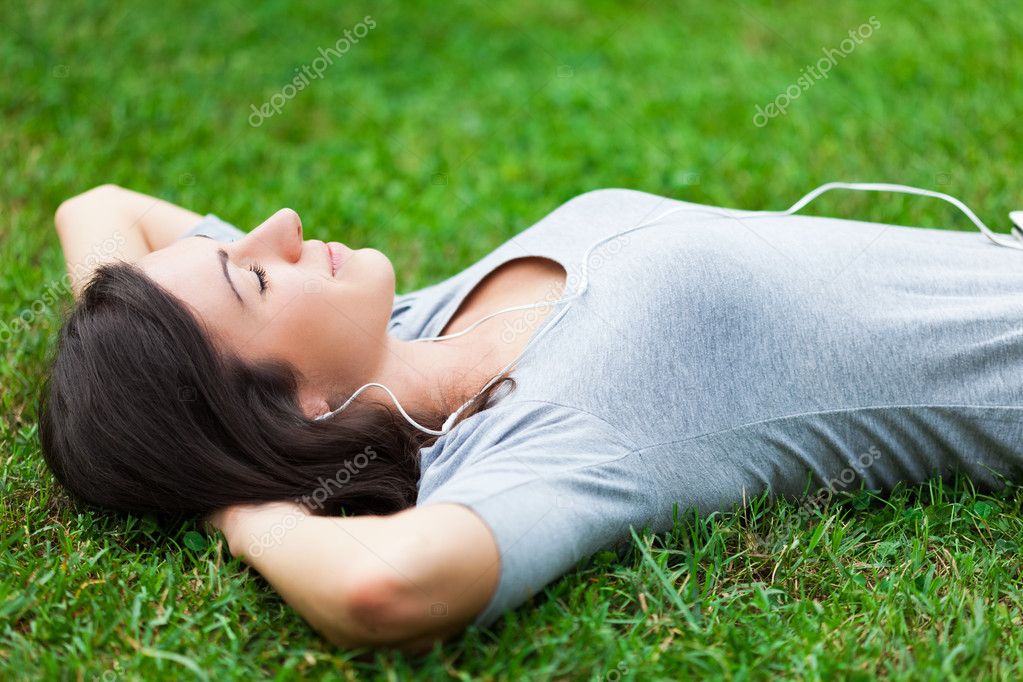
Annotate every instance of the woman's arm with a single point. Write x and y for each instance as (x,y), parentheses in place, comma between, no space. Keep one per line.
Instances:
(403,580)
(110,223)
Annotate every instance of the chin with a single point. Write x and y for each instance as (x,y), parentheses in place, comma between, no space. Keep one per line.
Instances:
(376,269)
(377,260)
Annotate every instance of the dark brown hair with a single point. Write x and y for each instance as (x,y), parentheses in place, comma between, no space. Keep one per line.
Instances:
(142,413)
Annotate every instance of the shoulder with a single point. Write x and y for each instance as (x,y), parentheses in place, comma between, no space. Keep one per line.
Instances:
(613,198)
(611,207)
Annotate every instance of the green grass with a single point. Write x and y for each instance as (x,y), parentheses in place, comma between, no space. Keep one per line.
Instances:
(444,131)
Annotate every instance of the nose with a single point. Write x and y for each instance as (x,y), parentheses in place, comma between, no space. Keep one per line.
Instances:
(279,235)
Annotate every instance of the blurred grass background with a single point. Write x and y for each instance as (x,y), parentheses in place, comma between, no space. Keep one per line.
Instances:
(443,131)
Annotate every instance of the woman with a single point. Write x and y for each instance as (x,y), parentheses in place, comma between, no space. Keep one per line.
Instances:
(691,364)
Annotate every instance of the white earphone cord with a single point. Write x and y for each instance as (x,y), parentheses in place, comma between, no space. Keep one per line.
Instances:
(584,280)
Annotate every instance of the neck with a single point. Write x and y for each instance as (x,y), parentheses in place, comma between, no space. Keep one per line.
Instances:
(439,375)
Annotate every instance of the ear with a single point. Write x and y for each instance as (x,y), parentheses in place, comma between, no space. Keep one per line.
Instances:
(313,405)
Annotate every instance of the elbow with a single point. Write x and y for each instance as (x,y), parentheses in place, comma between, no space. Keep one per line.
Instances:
(371,604)
(65,213)
(380,610)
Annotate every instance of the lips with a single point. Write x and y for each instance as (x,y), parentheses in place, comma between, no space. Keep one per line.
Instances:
(338,254)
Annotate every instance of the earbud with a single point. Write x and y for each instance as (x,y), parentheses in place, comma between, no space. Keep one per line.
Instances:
(1017,243)
(449,422)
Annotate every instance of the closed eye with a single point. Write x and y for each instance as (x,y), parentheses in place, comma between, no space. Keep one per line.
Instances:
(264,283)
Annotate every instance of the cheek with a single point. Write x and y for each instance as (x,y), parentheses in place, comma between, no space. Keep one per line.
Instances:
(373,269)
(319,324)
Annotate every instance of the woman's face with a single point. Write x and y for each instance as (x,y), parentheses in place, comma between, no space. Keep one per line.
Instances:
(324,308)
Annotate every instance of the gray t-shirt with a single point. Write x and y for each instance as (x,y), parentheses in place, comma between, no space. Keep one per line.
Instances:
(712,358)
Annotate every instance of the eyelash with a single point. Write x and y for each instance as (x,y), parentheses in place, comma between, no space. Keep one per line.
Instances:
(261,274)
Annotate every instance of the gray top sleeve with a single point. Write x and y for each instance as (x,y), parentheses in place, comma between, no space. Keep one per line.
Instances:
(553,484)
(215,228)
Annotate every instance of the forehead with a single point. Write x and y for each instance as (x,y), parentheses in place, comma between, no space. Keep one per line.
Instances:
(190,269)
(185,256)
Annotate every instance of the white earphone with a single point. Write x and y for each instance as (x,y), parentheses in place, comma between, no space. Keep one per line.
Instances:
(1016,243)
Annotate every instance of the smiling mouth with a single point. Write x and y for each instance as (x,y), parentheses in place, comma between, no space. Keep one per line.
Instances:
(337,254)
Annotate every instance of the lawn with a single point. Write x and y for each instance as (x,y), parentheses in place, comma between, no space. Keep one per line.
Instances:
(434,132)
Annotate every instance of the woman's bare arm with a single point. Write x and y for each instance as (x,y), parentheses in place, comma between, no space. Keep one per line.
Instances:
(403,581)
(110,223)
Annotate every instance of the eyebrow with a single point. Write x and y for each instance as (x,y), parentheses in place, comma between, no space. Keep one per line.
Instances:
(223,266)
